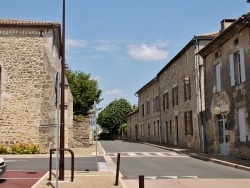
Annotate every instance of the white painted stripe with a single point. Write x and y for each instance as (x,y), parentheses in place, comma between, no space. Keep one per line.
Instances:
(150,177)
(160,154)
(169,177)
(102,166)
(191,177)
(132,154)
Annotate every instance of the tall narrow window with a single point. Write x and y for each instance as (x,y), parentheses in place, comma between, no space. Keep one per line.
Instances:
(218,77)
(148,108)
(142,110)
(188,123)
(170,127)
(237,67)
(154,128)
(175,95)
(187,89)
(158,127)
(165,101)
(242,124)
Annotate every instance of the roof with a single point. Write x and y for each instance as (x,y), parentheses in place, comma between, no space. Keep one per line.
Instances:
(151,82)
(26,23)
(236,26)
(208,36)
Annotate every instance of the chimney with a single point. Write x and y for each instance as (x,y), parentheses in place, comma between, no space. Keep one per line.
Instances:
(225,23)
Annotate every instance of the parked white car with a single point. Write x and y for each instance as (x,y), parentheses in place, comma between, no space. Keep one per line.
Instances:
(3,166)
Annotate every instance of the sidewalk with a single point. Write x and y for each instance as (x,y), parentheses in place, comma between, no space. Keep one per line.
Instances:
(88,179)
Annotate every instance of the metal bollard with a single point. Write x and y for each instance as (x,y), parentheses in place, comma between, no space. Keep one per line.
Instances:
(141,181)
(117,170)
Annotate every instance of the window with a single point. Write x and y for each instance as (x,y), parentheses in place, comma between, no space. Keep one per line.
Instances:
(187,89)
(165,101)
(188,123)
(175,95)
(142,109)
(241,124)
(217,77)
(158,127)
(170,127)
(148,108)
(154,128)
(156,104)
(237,67)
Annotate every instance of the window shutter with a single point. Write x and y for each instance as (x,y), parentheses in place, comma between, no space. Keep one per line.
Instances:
(185,120)
(185,92)
(218,78)
(242,65)
(231,61)
(189,90)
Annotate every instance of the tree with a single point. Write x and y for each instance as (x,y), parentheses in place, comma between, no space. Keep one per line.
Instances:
(84,90)
(114,115)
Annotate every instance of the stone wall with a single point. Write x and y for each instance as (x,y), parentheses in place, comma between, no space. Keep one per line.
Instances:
(29,60)
(81,133)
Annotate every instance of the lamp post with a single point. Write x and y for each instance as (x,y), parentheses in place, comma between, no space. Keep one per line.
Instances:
(61,164)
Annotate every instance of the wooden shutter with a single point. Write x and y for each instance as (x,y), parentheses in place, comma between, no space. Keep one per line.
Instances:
(231,61)
(242,65)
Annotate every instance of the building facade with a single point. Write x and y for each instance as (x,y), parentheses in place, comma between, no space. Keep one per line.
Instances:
(227,89)
(29,62)
(171,105)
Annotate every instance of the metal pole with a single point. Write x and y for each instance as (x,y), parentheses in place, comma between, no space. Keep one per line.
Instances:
(57,126)
(61,168)
(141,181)
(95,134)
(117,170)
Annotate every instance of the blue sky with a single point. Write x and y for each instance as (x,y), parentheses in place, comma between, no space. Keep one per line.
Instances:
(125,43)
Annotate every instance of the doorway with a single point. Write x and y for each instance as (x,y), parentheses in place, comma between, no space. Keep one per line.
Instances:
(222,136)
(136,133)
(148,132)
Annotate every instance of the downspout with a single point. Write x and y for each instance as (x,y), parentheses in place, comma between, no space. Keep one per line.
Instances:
(198,90)
(159,109)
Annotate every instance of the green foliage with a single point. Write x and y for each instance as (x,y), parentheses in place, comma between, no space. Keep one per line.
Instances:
(123,129)
(84,90)
(3,150)
(114,115)
(25,149)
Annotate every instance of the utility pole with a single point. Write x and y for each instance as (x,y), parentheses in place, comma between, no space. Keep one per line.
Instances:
(61,165)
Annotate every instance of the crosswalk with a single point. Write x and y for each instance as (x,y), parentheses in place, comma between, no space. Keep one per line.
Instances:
(147,154)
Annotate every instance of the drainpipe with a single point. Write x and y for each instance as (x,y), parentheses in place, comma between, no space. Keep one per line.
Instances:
(158,78)
(198,73)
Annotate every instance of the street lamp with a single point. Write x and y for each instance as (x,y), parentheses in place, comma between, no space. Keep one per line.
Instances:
(61,166)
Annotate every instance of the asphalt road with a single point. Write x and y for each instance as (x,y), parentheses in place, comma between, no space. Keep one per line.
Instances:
(42,164)
(140,159)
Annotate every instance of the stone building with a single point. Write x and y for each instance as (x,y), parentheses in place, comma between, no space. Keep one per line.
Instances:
(148,116)
(171,104)
(227,89)
(29,61)
(181,88)
(133,134)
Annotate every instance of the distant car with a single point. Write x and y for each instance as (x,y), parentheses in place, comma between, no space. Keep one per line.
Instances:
(3,166)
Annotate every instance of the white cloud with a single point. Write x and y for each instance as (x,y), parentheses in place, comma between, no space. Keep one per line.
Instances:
(73,43)
(107,47)
(146,52)
(114,92)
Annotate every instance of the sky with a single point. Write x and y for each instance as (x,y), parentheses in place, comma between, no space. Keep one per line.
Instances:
(125,43)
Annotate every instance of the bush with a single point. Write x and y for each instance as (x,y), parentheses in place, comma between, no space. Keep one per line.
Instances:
(25,149)
(3,150)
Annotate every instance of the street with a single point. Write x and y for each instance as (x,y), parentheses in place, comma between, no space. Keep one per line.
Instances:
(159,164)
